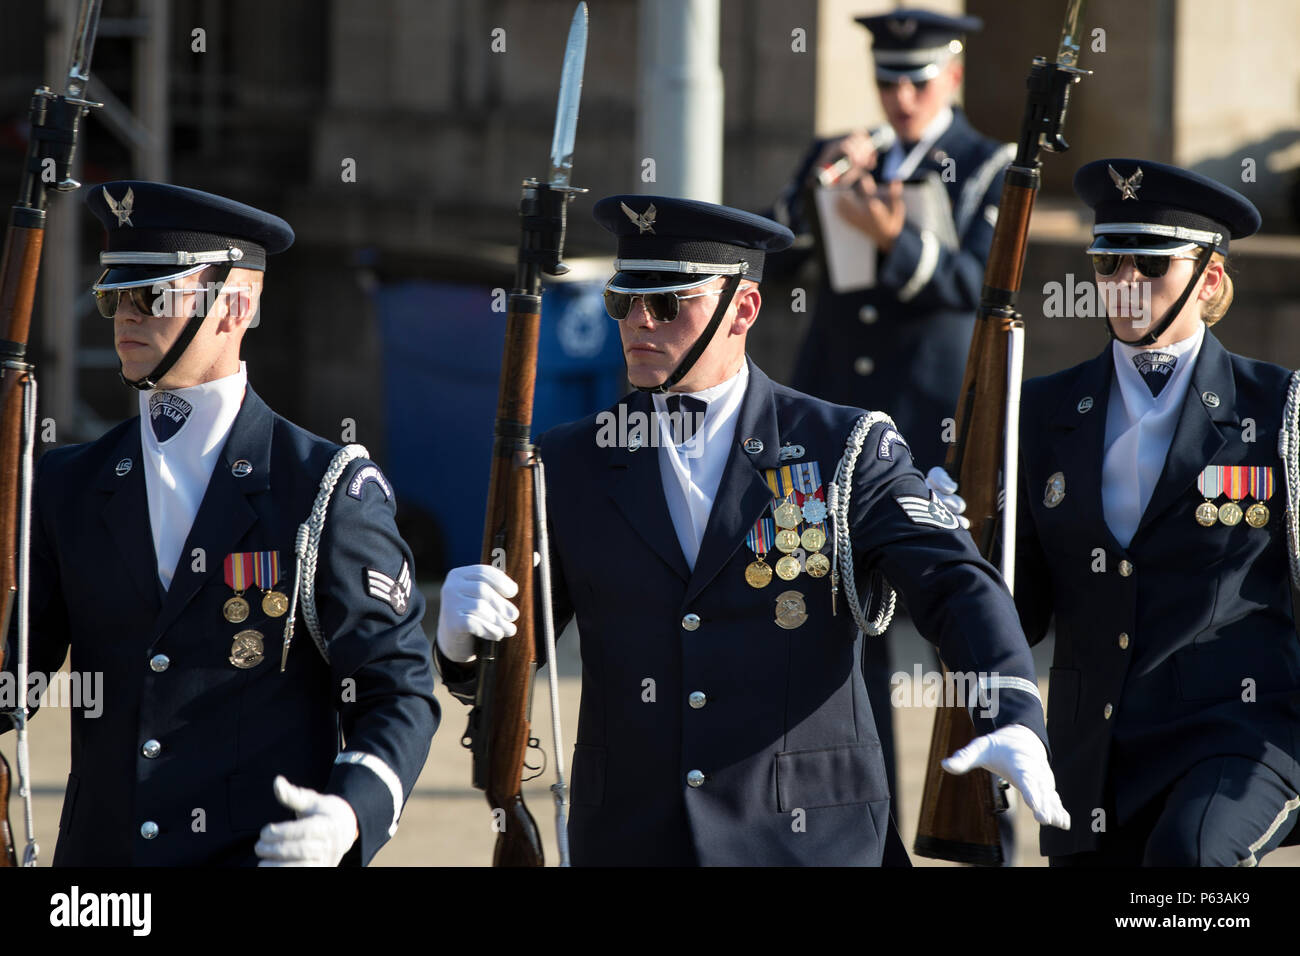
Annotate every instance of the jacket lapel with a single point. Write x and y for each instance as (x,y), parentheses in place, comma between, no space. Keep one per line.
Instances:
(1197,439)
(126,513)
(225,514)
(1080,441)
(637,489)
(743,493)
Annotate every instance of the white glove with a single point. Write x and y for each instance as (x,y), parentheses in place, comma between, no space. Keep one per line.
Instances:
(1016,754)
(945,486)
(475,603)
(325,829)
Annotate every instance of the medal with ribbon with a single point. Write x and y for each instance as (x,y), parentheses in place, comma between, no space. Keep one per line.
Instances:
(1260,485)
(239,575)
(1210,484)
(811,498)
(787,517)
(759,540)
(1235,485)
(266,575)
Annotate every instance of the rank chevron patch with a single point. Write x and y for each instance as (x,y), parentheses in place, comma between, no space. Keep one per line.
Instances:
(396,594)
(928,511)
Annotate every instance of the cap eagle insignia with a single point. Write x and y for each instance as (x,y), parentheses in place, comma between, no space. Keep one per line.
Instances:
(902,28)
(122,210)
(645,221)
(1127,187)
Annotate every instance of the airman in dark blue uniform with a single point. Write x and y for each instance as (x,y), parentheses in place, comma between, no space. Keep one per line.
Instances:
(1153,530)
(164,557)
(724,719)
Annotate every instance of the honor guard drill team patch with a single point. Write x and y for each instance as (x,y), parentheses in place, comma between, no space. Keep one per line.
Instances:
(395,593)
(167,414)
(890,438)
(929,511)
(368,475)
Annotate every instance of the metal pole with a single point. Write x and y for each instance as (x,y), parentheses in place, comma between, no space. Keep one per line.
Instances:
(680,99)
(58,278)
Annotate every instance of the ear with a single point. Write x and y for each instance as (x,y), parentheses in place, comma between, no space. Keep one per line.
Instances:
(958,72)
(747,303)
(240,308)
(1211,279)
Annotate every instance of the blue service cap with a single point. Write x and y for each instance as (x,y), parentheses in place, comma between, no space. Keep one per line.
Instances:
(1145,207)
(667,244)
(158,232)
(915,44)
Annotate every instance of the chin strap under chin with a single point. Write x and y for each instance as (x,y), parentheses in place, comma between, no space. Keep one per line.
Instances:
(702,343)
(178,348)
(1172,312)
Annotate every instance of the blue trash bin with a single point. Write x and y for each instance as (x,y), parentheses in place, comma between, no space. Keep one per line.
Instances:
(441,346)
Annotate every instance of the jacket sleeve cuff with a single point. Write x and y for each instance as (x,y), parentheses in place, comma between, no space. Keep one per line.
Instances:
(461,679)
(374,792)
(911,263)
(1004,701)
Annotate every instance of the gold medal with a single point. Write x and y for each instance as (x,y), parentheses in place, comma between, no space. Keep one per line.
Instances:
(787,540)
(787,569)
(791,611)
(246,651)
(1230,513)
(813,539)
(274,604)
(1257,515)
(787,515)
(817,565)
(235,610)
(1207,514)
(758,574)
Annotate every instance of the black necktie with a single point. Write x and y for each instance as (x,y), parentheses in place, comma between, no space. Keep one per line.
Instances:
(1156,369)
(687,424)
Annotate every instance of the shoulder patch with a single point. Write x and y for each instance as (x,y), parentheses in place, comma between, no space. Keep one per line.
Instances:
(366,475)
(396,593)
(888,439)
(928,511)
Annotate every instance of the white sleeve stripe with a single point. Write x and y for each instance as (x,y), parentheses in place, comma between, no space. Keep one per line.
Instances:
(1011,683)
(925,267)
(972,193)
(383,772)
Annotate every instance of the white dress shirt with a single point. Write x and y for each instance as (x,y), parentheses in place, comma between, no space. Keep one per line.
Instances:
(692,471)
(1139,430)
(194,424)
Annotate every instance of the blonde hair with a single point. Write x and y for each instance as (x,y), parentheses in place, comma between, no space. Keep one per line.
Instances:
(1217,307)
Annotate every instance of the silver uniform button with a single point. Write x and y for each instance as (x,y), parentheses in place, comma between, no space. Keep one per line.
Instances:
(868,314)
(1125,568)
(691,622)
(1210,399)
(697,699)
(1123,641)
(151,749)
(1108,711)
(148,829)
(159,663)
(863,365)
(695,778)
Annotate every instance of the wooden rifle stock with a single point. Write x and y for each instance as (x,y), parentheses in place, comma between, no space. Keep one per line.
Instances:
(506,668)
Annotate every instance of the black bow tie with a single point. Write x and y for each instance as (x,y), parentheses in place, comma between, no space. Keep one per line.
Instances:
(689,423)
(1156,369)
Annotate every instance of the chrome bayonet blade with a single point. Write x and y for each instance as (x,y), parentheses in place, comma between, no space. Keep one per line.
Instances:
(1067,53)
(83,45)
(566,109)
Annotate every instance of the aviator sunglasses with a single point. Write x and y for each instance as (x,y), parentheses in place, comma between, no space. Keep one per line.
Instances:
(142,297)
(661,306)
(1151,266)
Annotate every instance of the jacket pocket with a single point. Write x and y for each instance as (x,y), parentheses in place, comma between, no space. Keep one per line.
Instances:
(832,777)
(588,776)
(69,802)
(1062,695)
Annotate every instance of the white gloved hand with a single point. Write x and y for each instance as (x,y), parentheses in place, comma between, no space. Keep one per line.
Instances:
(325,829)
(945,486)
(1017,755)
(475,603)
